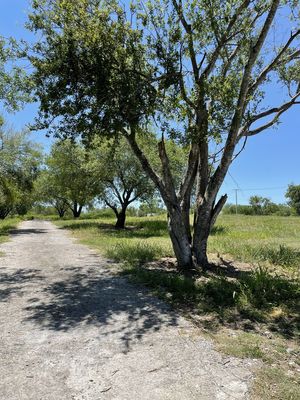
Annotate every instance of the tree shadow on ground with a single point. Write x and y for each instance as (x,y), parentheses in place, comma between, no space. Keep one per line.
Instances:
(223,297)
(139,230)
(20,232)
(105,301)
(142,230)
(13,282)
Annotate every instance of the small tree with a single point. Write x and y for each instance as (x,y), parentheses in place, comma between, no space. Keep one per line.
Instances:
(71,176)
(122,177)
(47,190)
(293,194)
(257,203)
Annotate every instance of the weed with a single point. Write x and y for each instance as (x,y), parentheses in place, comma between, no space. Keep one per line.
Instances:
(264,290)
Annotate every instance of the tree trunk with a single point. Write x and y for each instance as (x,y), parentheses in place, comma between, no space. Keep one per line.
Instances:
(180,240)
(4,211)
(202,221)
(121,218)
(76,210)
(205,217)
(61,212)
(185,209)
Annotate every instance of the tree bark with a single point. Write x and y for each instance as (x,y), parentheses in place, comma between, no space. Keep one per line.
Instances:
(180,239)
(202,223)
(121,218)
(205,217)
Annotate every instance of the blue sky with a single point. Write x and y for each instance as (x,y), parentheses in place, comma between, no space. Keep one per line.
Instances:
(270,161)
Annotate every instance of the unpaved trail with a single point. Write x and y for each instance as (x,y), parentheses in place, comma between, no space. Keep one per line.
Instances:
(72,329)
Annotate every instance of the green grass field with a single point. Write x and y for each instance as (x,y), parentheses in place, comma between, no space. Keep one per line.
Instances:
(247,238)
(254,313)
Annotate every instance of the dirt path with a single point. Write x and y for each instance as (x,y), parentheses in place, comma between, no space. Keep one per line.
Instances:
(71,329)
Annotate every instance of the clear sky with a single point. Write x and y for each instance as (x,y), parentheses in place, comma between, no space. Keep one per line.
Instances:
(270,161)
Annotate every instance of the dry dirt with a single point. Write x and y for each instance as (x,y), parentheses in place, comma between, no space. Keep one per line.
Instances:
(71,328)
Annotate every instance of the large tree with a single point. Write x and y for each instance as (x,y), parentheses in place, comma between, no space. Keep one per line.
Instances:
(198,70)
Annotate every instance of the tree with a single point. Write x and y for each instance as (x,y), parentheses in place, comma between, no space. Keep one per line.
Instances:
(122,177)
(293,194)
(71,178)
(198,70)
(19,166)
(48,190)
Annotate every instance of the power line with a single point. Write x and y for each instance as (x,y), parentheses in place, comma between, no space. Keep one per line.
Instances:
(239,189)
(272,188)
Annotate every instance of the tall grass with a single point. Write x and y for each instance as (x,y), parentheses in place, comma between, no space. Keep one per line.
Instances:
(5,226)
(134,253)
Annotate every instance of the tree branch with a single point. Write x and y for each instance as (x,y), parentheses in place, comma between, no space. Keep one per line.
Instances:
(226,159)
(276,61)
(157,180)
(190,174)
(224,39)
(244,131)
(188,29)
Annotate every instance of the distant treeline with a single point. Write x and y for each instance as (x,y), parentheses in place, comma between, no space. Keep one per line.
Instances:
(260,206)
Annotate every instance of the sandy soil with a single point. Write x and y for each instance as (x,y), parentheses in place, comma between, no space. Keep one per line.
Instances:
(71,328)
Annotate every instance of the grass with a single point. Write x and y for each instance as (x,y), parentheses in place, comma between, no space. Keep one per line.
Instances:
(267,239)
(253,312)
(5,226)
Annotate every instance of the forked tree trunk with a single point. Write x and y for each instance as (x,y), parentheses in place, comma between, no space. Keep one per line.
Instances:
(61,212)
(76,210)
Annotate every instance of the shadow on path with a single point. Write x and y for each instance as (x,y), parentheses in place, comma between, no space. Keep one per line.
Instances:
(14,282)
(19,232)
(108,302)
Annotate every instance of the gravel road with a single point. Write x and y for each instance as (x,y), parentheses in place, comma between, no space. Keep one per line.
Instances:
(72,329)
